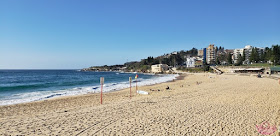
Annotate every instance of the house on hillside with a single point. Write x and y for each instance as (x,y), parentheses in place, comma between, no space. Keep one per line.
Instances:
(159,68)
(190,62)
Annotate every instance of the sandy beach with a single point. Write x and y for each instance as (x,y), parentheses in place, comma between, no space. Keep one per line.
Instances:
(198,104)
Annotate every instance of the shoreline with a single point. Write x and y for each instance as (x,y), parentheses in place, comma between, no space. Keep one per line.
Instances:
(91,93)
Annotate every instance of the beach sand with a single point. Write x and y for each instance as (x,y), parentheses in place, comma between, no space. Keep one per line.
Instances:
(199,104)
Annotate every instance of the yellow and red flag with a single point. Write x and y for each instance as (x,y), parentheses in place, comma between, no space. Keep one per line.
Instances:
(136,76)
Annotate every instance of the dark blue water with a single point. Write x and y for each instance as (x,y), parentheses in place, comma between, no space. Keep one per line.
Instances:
(17,86)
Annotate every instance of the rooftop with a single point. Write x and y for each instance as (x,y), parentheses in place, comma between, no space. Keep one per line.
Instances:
(275,68)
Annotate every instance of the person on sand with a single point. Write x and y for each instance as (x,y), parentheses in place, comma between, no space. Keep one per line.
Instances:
(167,88)
(259,75)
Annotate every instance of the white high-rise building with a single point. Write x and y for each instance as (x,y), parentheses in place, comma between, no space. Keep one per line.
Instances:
(236,53)
(247,50)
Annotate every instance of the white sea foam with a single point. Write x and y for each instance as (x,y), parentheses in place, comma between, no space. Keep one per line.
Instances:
(42,95)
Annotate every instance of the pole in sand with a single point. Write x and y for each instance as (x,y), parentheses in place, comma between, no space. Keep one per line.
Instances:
(101,83)
(136,81)
(130,85)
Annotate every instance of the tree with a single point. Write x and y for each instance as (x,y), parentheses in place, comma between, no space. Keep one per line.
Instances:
(150,60)
(254,55)
(166,61)
(229,58)
(206,67)
(262,56)
(216,49)
(243,56)
(257,55)
(267,54)
(145,68)
(172,59)
(192,52)
(218,61)
(276,54)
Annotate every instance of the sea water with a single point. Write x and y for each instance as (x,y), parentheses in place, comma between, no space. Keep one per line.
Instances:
(19,86)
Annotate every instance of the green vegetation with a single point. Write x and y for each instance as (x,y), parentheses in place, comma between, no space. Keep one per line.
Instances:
(268,55)
(177,59)
(229,59)
(222,57)
(173,59)
(194,70)
(204,68)
(257,56)
(261,65)
(142,66)
(104,68)
(272,54)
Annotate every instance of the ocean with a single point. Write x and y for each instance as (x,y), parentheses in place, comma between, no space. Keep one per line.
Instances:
(19,86)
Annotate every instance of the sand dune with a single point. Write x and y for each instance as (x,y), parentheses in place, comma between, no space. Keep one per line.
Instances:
(196,105)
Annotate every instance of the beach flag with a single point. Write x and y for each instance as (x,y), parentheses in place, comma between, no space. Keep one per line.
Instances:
(136,76)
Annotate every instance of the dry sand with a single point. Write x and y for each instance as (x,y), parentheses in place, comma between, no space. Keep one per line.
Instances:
(197,105)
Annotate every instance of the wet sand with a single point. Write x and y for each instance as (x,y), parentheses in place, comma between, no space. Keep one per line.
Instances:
(199,104)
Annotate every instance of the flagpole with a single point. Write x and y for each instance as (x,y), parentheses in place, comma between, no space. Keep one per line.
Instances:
(136,76)
(130,79)
(130,88)
(101,88)
(136,84)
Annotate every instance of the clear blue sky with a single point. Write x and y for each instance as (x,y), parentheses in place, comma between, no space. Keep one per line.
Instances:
(65,34)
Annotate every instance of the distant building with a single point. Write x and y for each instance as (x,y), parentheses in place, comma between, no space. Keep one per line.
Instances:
(190,62)
(204,55)
(198,61)
(275,70)
(237,53)
(211,54)
(248,70)
(174,53)
(247,50)
(229,51)
(193,62)
(158,68)
(200,53)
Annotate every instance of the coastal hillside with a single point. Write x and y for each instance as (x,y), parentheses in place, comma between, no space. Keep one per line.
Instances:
(176,58)
(200,60)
